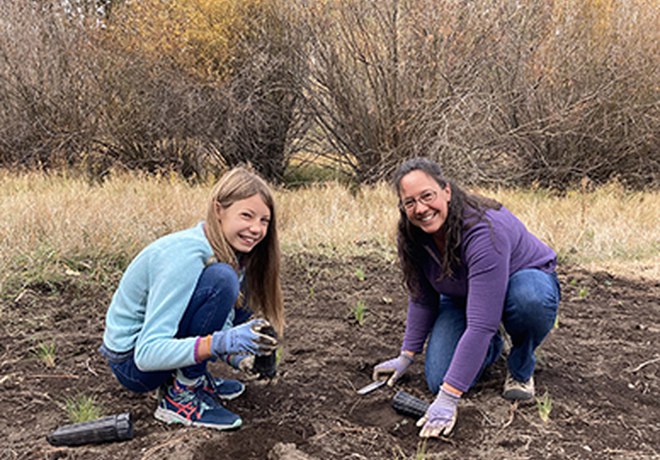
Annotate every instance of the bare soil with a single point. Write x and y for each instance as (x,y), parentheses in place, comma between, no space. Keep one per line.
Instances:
(600,368)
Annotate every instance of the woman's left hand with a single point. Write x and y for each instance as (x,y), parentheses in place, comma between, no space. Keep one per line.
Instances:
(440,417)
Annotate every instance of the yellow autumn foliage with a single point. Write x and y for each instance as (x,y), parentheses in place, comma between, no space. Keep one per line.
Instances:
(200,36)
(605,21)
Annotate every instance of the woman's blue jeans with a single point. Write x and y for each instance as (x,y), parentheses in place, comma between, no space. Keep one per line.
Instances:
(209,308)
(530,309)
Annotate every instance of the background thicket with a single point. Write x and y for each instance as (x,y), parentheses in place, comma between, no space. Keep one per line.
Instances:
(517,93)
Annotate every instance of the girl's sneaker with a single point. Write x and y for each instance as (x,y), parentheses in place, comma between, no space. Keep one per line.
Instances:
(223,389)
(194,406)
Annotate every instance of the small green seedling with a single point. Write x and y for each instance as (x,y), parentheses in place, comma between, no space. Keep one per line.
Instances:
(420,453)
(358,312)
(544,405)
(46,354)
(421,450)
(83,409)
(583,293)
(359,274)
(556,325)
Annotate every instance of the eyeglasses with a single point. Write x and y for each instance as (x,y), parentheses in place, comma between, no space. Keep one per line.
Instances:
(426,197)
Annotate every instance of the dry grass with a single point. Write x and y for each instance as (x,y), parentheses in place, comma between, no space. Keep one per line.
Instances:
(73,217)
(329,215)
(605,229)
(51,219)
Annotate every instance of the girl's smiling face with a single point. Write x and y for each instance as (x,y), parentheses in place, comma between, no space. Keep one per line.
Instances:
(425,203)
(245,222)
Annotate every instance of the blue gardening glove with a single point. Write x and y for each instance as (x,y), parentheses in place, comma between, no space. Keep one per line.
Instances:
(440,417)
(243,363)
(396,366)
(244,339)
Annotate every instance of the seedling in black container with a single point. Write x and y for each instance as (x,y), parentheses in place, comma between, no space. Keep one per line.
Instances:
(265,366)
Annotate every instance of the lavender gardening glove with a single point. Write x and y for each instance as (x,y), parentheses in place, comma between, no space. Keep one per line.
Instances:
(243,340)
(396,366)
(440,417)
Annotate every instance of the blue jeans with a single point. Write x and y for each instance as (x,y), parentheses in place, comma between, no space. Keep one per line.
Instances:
(530,309)
(209,308)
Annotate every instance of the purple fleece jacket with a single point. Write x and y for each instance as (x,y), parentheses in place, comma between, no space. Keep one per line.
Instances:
(489,256)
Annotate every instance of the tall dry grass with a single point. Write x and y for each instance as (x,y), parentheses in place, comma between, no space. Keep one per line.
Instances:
(51,221)
(608,228)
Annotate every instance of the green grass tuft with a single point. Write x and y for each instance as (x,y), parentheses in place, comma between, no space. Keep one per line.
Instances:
(83,409)
(45,352)
(359,311)
(544,406)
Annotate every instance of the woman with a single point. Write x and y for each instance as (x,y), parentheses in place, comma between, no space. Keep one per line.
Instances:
(469,264)
(180,303)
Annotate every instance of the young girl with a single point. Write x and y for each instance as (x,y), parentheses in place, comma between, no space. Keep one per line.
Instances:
(469,264)
(181,303)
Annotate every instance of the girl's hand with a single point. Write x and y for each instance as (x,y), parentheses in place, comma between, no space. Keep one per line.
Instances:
(243,339)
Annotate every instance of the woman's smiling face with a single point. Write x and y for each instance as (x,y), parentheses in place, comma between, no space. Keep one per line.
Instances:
(425,203)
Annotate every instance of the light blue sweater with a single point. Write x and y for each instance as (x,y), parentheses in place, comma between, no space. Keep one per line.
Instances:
(152,297)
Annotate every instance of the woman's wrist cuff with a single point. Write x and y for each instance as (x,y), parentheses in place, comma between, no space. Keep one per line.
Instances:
(407,355)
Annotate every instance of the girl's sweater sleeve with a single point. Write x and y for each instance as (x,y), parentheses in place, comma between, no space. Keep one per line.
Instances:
(172,279)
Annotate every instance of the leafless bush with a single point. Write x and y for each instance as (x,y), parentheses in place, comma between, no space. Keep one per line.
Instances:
(48,113)
(76,95)
(498,91)
(514,92)
(241,112)
(353,91)
(263,124)
(582,101)
(156,118)
(394,79)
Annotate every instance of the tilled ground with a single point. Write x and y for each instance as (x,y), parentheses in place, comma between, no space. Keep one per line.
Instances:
(600,369)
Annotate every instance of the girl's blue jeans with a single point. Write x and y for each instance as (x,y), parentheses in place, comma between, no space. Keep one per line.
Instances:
(530,310)
(209,308)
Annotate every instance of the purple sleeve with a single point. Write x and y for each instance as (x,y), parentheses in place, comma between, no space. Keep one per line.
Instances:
(422,313)
(419,322)
(487,259)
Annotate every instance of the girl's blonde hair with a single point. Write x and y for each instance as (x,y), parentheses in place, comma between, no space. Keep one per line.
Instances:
(262,264)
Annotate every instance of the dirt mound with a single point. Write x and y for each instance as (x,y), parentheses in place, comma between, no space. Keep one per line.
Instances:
(600,368)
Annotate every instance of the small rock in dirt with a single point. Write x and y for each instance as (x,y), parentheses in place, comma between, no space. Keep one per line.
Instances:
(282,451)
